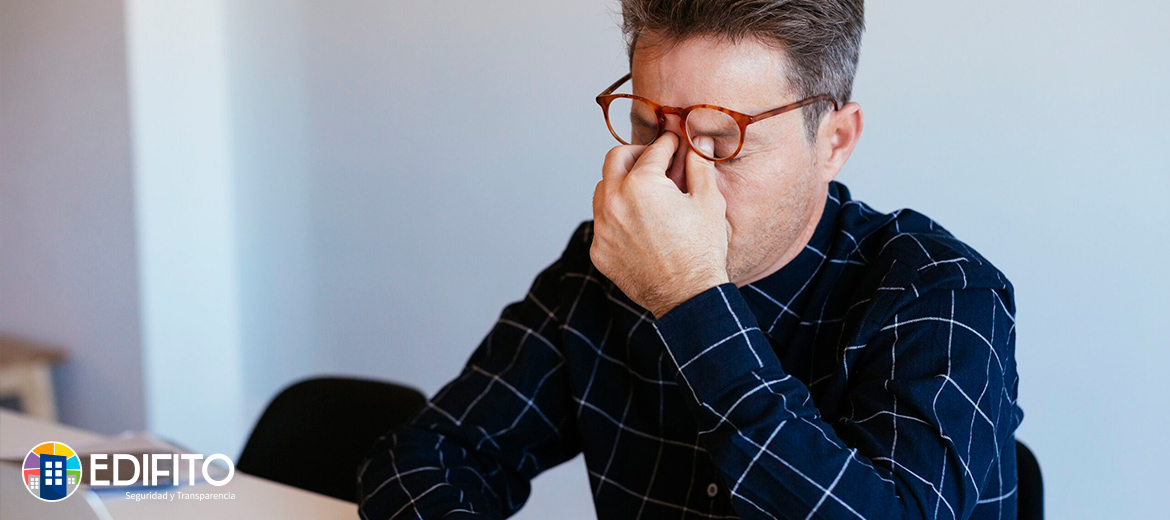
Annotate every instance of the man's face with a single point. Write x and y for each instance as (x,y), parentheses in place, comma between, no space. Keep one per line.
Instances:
(772,187)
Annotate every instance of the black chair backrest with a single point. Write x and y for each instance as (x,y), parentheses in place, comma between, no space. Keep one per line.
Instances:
(1030,490)
(314,434)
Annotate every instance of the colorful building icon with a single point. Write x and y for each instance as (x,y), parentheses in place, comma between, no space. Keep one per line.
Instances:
(52,471)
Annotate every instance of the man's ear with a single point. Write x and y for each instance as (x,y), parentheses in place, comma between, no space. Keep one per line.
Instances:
(838,135)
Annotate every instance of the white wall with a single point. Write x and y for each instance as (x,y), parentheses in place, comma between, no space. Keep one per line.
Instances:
(67,265)
(270,126)
(1035,131)
(185,210)
(292,177)
(402,172)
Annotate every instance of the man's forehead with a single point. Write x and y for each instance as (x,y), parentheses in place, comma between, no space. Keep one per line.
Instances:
(745,75)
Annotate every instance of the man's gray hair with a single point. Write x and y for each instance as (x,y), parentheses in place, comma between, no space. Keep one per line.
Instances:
(821,38)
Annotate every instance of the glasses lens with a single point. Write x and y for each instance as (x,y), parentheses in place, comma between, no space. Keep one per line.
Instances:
(632,121)
(719,126)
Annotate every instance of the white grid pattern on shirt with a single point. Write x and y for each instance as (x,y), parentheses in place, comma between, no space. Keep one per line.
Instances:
(607,353)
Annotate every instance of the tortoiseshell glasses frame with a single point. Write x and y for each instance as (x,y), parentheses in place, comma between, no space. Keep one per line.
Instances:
(661,111)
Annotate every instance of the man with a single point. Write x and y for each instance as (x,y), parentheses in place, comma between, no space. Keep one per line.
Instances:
(732,335)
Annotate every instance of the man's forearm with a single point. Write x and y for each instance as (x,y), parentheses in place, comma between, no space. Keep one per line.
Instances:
(418,472)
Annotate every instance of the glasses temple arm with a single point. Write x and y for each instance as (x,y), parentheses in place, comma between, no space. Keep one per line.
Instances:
(615,85)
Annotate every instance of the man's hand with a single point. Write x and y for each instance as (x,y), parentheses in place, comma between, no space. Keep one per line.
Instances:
(660,246)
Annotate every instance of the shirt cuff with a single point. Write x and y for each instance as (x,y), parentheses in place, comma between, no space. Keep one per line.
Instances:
(714,339)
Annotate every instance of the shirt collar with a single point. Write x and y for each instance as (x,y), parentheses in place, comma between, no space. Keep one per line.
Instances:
(778,299)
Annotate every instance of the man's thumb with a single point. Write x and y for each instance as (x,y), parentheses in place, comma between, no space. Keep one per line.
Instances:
(701,172)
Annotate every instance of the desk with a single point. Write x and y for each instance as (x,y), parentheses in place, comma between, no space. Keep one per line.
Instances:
(255,498)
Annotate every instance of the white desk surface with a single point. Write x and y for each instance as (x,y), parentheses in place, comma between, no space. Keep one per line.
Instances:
(255,498)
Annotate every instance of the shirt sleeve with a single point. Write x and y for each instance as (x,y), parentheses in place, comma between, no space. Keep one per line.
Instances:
(476,445)
(927,415)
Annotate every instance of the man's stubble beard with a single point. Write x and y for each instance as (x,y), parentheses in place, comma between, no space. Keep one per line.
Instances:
(782,226)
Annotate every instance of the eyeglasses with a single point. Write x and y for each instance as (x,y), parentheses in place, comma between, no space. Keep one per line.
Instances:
(640,121)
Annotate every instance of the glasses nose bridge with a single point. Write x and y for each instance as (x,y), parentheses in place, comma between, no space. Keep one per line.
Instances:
(674,124)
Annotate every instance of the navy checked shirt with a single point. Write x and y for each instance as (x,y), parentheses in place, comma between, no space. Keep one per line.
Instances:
(873,376)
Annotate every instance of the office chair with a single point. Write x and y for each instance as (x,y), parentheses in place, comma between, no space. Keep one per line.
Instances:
(314,434)
(1030,490)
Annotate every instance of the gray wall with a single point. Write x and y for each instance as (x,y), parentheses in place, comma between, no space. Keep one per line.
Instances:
(67,241)
(401,170)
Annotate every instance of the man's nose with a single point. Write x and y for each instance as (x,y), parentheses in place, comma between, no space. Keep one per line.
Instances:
(677,169)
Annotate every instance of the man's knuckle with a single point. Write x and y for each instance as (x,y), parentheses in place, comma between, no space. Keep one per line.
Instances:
(614,154)
(638,187)
(596,257)
(611,205)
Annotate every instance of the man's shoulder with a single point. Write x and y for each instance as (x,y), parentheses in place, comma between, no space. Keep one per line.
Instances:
(575,257)
(910,250)
(574,266)
(583,290)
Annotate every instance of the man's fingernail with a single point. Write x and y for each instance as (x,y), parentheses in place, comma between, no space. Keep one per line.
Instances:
(706,145)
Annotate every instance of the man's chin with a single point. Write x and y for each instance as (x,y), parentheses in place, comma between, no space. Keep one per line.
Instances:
(742,270)
(738,274)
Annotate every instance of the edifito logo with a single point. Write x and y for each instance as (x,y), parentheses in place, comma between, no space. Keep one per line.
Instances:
(52,470)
